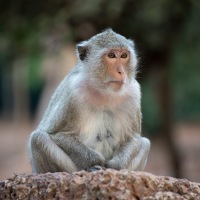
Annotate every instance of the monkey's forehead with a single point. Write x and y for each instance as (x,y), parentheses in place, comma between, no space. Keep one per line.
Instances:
(110,39)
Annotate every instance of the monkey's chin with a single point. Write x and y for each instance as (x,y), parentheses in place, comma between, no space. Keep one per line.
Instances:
(116,85)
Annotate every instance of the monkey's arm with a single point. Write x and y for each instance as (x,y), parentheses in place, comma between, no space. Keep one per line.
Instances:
(82,156)
(132,154)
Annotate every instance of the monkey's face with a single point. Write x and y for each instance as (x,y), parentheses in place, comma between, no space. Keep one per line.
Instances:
(109,70)
(116,68)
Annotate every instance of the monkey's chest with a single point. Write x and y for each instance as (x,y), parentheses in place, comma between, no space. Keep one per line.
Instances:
(100,133)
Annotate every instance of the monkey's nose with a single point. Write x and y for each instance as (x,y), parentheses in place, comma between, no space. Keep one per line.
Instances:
(121,77)
(120,74)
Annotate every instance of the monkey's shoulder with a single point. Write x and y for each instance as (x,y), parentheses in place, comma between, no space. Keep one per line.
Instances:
(61,112)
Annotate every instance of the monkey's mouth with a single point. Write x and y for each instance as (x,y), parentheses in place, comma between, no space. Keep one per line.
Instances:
(117,82)
(116,85)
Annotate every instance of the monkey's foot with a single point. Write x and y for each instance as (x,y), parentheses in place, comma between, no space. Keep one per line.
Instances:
(95,168)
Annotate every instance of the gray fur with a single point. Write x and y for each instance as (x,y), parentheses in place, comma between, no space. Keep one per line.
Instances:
(86,123)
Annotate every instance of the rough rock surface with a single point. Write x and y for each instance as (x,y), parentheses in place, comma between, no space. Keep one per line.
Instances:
(108,184)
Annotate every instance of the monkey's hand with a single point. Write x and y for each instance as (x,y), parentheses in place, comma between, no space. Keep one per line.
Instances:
(83,157)
(131,155)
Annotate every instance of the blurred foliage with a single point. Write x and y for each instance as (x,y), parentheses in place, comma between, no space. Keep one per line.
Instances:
(166,33)
(185,68)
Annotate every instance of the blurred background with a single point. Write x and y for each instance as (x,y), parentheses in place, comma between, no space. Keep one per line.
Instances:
(37,43)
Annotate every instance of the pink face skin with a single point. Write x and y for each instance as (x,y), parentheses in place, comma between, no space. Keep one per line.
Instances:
(108,84)
(117,61)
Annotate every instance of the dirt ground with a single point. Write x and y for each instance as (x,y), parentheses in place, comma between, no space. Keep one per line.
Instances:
(14,151)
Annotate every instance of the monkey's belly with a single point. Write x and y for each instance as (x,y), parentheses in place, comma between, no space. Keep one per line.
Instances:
(103,143)
(101,132)
(103,146)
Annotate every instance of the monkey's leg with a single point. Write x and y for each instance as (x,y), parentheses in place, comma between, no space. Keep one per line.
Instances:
(132,154)
(83,156)
(46,156)
(139,161)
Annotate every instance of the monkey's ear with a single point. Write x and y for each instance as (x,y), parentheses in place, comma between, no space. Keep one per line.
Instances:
(82,51)
(131,43)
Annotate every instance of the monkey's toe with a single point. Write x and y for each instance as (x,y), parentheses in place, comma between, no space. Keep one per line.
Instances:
(95,168)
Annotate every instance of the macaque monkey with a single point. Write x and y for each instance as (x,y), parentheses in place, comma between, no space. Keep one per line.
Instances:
(93,120)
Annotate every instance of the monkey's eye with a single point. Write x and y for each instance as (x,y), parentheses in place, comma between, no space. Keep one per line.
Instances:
(111,55)
(124,55)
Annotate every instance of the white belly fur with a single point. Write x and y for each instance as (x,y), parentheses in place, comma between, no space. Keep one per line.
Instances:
(98,123)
